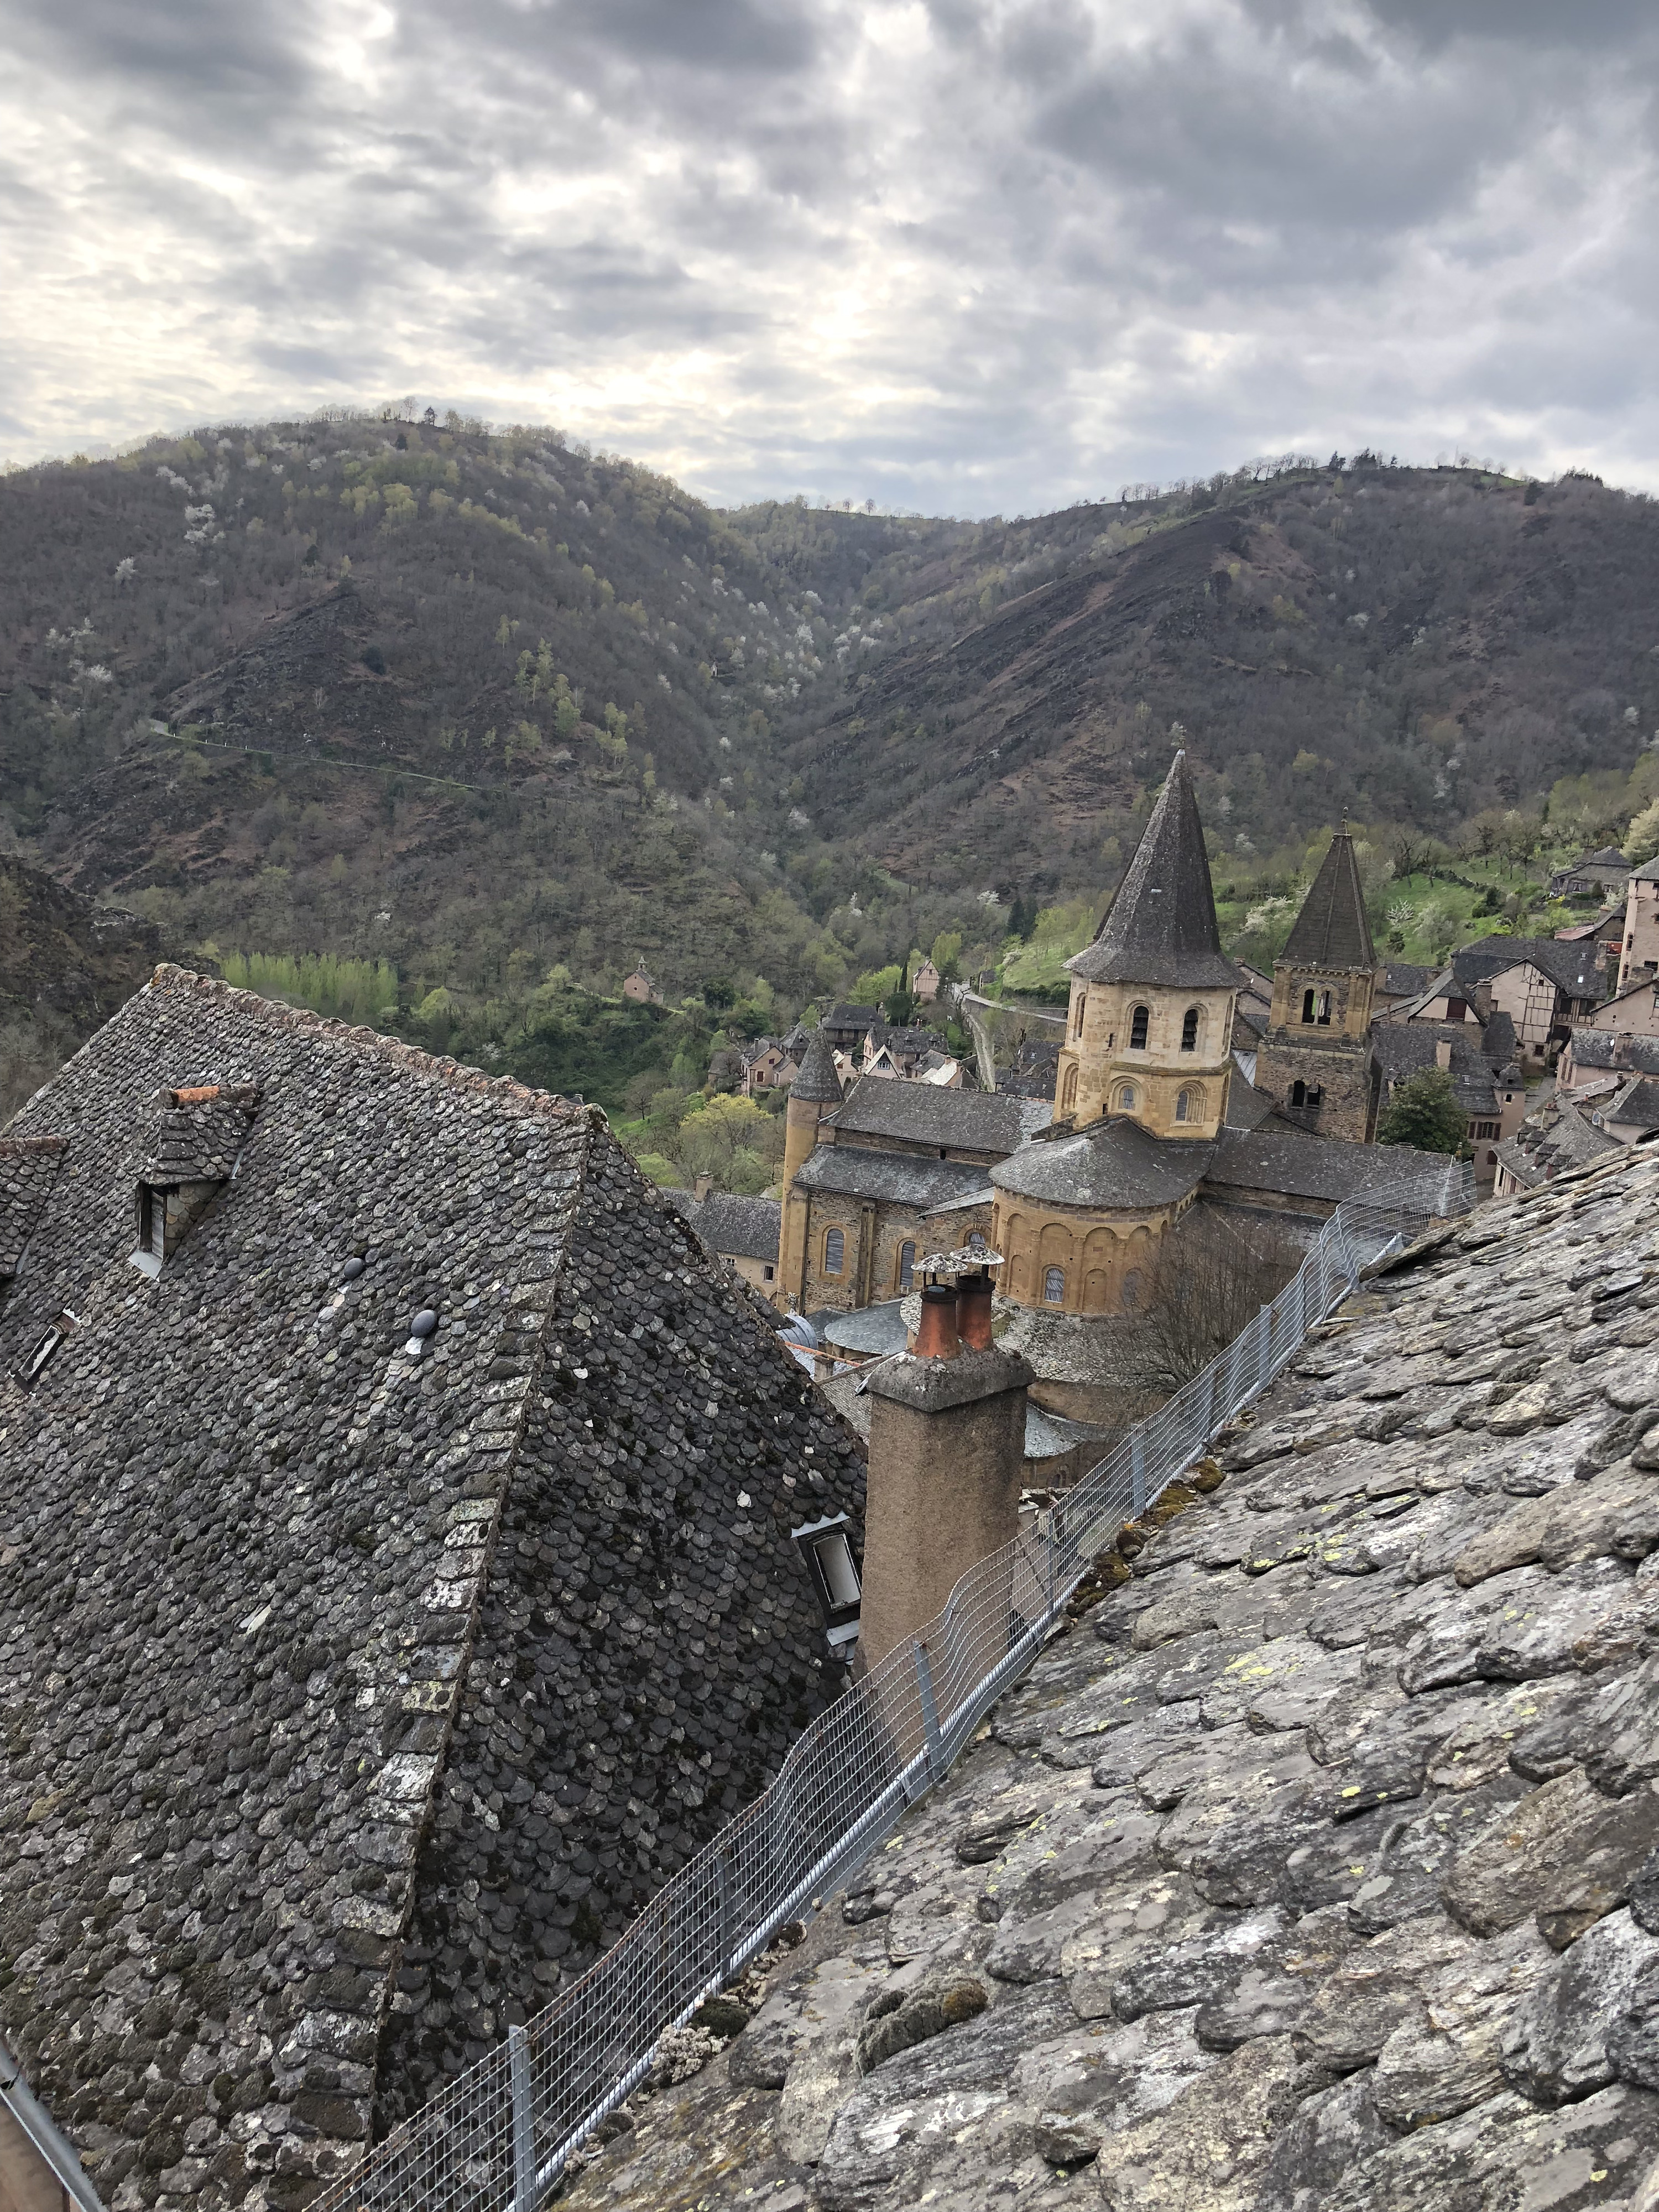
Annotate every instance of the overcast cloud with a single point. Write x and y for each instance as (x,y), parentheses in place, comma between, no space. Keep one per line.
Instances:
(957,255)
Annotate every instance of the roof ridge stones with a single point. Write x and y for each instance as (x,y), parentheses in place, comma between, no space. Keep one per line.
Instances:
(1160,927)
(1333,930)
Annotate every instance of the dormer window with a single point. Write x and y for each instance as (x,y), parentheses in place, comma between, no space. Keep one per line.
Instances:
(193,1153)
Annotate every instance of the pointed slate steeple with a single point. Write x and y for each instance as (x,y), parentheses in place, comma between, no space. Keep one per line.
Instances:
(1333,930)
(1161,927)
(817,1080)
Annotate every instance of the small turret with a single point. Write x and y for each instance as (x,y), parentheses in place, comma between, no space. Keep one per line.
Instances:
(814,1091)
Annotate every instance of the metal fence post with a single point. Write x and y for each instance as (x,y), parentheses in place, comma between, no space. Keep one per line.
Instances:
(1138,1469)
(524,2130)
(723,1876)
(929,1710)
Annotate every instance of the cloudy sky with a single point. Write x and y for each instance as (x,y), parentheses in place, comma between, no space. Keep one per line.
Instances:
(957,255)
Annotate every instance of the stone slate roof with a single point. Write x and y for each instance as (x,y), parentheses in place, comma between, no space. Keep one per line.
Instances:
(1326,1168)
(1611,1048)
(1402,979)
(1332,929)
(1404,1047)
(27,1165)
(902,1178)
(1569,966)
(1311,1869)
(1160,927)
(743,1228)
(349,1701)
(1637,1106)
(816,1078)
(196,1137)
(1114,1163)
(1558,1139)
(849,1017)
(925,1114)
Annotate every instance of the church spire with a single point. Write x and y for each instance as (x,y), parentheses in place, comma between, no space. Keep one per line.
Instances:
(1332,929)
(1161,927)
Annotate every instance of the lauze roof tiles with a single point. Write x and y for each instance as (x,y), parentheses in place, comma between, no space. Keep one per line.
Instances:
(353,1699)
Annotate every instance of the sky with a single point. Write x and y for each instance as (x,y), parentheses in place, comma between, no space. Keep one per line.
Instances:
(954,256)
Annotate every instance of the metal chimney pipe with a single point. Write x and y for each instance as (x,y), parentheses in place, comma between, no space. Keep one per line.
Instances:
(937,1336)
(974,1311)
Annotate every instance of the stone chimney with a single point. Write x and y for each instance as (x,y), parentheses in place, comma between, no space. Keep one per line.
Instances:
(701,1186)
(1443,1054)
(947,1444)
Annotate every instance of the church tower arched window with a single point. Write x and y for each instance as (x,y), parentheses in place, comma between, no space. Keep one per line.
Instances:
(1189,1025)
(1140,1020)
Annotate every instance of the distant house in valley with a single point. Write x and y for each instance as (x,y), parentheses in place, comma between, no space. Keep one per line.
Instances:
(925,985)
(1593,876)
(768,1065)
(641,989)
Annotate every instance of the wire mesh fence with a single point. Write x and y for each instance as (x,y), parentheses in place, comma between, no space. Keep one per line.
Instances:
(499,2137)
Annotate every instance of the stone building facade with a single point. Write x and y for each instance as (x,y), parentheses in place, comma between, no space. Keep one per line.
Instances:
(396,1582)
(876,1182)
(1316,1062)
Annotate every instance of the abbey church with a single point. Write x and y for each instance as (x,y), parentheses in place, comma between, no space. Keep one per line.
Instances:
(1156,1139)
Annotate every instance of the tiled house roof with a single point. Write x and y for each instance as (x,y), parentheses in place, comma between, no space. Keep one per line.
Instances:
(746,1228)
(353,1698)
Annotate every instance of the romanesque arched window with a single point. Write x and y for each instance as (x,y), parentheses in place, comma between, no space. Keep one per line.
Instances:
(1298,1093)
(1054,1286)
(834,1251)
(1077,1005)
(1068,1091)
(1184,1106)
(1309,998)
(1322,1013)
(1140,1021)
(1127,1099)
(1189,1022)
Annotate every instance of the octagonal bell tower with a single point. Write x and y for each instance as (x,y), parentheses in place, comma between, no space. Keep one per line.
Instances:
(1149,1031)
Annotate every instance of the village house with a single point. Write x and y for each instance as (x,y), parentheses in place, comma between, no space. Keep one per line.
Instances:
(641,989)
(742,1231)
(1480,1057)
(925,983)
(396,1579)
(769,1064)
(1596,875)
(1544,984)
(1638,952)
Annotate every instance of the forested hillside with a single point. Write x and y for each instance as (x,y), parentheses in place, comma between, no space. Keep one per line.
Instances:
(447,727)
(1415,647)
